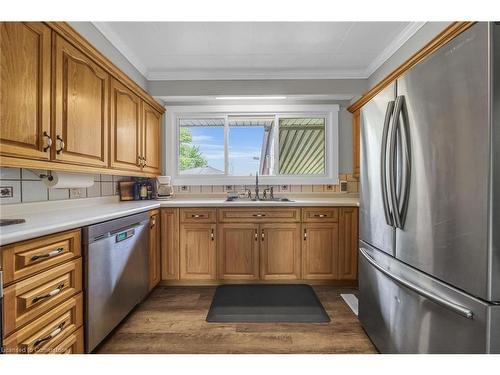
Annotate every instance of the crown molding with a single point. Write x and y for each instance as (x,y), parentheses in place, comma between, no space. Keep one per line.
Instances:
(121,46)
(396,44)
(251,74)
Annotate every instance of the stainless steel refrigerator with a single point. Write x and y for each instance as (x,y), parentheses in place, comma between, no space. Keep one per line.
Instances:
(429,268)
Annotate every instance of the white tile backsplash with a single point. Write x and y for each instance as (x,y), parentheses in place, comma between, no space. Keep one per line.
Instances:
(27,186)
(32,174)
(33,191)
(58,194)
(107,189)
(16,189)
(10,173)
(94,190)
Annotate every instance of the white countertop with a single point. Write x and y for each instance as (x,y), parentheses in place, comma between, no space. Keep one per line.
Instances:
(44,218)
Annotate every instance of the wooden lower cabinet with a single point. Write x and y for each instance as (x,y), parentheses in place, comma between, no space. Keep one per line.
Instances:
(280,251)
(238,251)
(169,243)
(320,251)
(348,244)
(154,249)
(198,251)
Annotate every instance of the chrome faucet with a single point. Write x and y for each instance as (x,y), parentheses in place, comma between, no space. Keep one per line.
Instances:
(257,186)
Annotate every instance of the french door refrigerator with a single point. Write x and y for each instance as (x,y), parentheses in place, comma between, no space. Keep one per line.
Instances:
(429,265)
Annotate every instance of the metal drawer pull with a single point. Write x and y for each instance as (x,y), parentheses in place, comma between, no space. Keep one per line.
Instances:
(305,234)
(212,236)
(320,215)
(197,216)
(59,151)
(51,335)
(50,294)
(259,215)
(461,310)
(51,254)
(262,235)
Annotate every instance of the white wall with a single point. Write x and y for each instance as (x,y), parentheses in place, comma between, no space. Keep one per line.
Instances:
(94,36)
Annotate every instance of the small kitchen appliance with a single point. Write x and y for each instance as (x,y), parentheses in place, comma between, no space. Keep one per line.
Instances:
(164,190)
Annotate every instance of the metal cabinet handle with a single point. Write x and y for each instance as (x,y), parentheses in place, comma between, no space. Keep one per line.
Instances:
(461,310)
(212,236)
(153,222)
(320,215)
(49,142)
(259,215)
(61,143)
(50,254)
(256,235)
(51,335)
(262,235)
(305,234)
(383,163)
(196,216)
(50,294)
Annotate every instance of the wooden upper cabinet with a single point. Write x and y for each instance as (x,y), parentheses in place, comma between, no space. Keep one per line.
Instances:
(81,107)
(348,249)
(238,251)
(280,251)
(125,128)
(151,139)
(320,251)
(25,89)
(198,252)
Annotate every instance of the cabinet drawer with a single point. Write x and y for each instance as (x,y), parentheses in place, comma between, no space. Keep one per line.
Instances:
(245,215)
(48,331)
(198,215)
(30,298)
(320,214)
(73,344)
(24,259)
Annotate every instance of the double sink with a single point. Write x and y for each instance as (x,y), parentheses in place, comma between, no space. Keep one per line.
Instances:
(246,199)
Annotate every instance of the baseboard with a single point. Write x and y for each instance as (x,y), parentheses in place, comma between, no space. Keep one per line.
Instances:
(344,283)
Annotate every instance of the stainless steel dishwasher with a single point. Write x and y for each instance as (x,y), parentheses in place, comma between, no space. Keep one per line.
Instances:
(116,273)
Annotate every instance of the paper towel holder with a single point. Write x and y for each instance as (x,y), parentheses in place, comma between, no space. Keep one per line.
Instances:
(48,175)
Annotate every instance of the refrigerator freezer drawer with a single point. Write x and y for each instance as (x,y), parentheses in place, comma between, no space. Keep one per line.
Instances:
(406,311)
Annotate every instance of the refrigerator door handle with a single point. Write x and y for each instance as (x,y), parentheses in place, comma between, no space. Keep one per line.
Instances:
(398,104)
(456,308)
(383,164)
(404,128)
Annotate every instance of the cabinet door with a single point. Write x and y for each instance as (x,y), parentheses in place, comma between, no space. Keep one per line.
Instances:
(198,252)
(280,251)
(320,251)
(154,249)
(170,244)
(24,89)
(125,128)
(81,107)
(238,251)
(348,249)
(151,136)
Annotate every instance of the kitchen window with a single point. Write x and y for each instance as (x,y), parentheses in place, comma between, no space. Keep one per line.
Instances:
(296,146)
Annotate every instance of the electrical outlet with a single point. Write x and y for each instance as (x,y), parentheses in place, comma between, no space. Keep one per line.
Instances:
(343,186)
(6,192)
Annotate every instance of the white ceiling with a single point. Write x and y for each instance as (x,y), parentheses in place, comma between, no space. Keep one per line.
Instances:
(257,50)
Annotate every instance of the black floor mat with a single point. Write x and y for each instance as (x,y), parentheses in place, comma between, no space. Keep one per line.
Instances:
(260,303)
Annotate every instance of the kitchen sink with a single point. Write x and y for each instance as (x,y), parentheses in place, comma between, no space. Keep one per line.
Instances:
(276,199)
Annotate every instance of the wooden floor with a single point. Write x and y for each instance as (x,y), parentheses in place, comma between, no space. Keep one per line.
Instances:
(172,320)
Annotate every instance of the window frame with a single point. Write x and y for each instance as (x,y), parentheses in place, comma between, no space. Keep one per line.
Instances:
(171,140)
